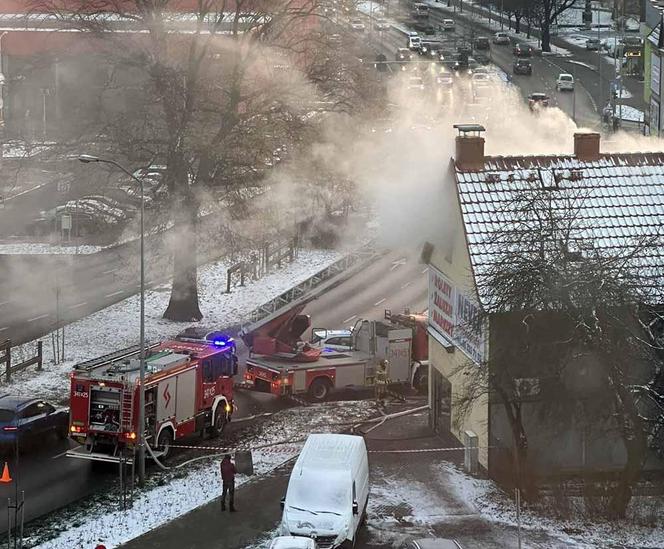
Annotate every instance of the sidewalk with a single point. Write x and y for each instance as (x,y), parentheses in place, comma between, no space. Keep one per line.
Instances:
(417,494)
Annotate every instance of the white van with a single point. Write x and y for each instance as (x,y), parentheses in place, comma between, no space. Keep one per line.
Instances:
(293,542)
(414,41)
(328,491)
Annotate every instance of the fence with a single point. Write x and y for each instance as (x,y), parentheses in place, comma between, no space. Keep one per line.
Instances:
(259,264)
(5,349)
(316,282)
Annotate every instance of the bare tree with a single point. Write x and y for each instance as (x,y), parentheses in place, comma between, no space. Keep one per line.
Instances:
(546,13)
(222,96)
(557,300)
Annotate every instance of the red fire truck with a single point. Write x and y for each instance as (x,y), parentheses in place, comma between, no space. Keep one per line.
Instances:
(280,363)
(188,389)
(419,356)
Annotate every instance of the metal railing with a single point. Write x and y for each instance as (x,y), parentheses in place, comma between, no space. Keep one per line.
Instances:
(314,285)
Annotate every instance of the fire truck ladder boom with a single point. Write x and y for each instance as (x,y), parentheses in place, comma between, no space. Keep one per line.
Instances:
(90,365)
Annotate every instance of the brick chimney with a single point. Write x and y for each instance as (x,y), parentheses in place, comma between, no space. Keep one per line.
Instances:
(469,147)
(586,146)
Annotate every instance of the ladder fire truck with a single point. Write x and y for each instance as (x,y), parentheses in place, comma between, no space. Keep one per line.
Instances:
(280,363)
(188,389)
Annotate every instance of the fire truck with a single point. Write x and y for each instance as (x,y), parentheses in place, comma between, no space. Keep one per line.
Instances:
(280,363)
(419,351)
(188,389)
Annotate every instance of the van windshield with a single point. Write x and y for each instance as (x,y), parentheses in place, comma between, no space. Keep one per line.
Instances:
(324,492)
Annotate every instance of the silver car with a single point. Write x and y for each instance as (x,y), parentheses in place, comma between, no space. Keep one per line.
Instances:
(433,543)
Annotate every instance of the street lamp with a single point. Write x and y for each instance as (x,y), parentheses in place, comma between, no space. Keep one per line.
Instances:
(87,159)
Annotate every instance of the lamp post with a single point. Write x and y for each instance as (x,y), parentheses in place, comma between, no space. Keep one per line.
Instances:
(2,82)
(87,159)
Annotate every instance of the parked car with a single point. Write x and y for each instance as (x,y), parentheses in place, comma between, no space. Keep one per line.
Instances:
(593,44)
(501,39)
(522,66)
(28,420)
(357,25)
(565,82)
(537,100)
(328,490)
(448,25)
(431,48)
(403,55)
(482,43)
(522,50)
(445,81)
(432,543)
(293,542)
(338,340)
(424,27)
(382,24)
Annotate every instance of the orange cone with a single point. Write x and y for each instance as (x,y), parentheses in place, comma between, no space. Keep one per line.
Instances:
(5,474)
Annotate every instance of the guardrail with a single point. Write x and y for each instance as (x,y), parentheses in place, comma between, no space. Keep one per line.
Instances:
(315,282)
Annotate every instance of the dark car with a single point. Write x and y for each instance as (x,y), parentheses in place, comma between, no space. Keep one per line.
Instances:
(522,50)
(537,100)
(432,49)
(403,55)
(482,43)
(522,66)
(424,28)
(28,420)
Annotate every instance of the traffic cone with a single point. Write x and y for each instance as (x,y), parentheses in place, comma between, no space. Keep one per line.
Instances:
(5,474)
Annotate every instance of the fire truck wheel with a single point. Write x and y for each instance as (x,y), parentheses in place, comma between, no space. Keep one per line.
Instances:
(320,388)
(164,442)
(219,423)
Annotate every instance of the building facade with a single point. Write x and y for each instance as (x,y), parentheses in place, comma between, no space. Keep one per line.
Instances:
(623,195)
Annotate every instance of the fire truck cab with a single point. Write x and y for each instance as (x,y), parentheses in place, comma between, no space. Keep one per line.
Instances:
(188,389)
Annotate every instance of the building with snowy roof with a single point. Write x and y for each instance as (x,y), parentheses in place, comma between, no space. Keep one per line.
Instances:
(620,198)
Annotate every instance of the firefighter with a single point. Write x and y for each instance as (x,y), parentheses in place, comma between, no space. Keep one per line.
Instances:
(381,382)
(228,483)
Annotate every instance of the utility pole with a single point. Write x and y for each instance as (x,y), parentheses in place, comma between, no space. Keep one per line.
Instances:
(599,58)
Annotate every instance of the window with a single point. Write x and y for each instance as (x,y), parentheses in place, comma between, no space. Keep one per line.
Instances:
(347,341)
(208,374)
(333,341)
(33,410)
(45,408)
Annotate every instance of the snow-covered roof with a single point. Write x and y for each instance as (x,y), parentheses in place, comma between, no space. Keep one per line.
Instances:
(619,198)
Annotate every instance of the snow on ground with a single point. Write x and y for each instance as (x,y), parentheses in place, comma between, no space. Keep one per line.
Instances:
(173,494)
(117,326)
(26,248)
(489,501)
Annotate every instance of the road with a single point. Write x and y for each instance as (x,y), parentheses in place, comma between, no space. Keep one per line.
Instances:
(396,281)
(580,105)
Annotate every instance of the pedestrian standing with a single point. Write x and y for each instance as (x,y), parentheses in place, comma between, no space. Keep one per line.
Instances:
(228,483)
(381,382)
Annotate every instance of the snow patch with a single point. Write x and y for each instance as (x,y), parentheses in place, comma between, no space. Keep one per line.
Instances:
(117,326)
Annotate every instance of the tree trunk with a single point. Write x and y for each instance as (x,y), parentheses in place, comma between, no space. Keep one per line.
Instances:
(523,480)
(546,36)
(517,24)
(183,305)
(636,445)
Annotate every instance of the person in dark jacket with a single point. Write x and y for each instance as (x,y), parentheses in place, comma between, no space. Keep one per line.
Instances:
(228,483)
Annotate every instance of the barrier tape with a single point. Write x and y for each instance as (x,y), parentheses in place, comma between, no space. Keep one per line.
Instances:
(425,450)
(222,450)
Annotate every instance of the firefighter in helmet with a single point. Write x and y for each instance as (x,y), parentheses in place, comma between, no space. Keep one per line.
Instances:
(381,382)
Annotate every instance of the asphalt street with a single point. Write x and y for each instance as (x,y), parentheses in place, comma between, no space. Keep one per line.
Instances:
(395,281)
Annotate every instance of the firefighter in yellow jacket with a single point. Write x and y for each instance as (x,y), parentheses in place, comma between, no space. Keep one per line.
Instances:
(381,382)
